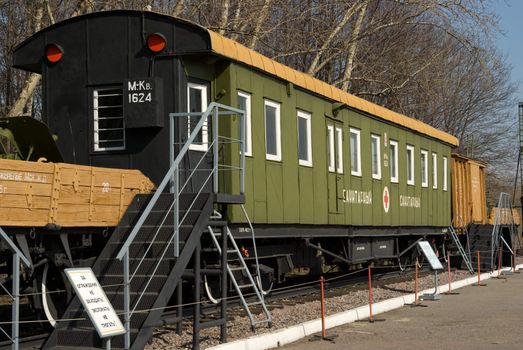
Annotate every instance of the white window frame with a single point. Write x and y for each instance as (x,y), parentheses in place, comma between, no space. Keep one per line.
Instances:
(435,171)
(97,118)
(330,148)
(275,105)
(445,169)
(424,160)
(307,117)
(339,149)
(394,177)
(205,137)
(410,149)
(376,174)
(356,132)
(248,123)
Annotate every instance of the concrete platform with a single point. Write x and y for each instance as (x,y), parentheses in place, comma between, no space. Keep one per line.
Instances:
(489,317)
(473,320)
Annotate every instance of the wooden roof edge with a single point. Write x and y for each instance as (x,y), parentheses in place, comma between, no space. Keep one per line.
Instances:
(217,46)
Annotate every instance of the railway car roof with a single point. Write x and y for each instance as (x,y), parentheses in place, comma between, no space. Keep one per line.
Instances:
(237,52)
(224,47)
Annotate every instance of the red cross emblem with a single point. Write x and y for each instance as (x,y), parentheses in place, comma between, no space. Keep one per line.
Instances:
(386,199)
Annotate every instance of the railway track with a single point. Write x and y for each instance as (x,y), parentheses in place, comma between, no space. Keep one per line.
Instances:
(285,295)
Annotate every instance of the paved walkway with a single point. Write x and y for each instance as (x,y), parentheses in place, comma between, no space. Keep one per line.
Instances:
(489,317)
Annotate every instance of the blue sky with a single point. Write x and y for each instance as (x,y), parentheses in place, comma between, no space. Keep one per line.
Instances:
(510,13)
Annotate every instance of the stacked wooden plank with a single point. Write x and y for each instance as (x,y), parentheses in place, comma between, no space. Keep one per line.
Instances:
(38,194)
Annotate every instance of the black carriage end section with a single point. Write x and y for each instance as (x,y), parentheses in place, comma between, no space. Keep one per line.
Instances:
(109,86)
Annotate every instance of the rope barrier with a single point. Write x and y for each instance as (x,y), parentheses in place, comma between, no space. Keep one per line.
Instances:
(330,279)
(416,265)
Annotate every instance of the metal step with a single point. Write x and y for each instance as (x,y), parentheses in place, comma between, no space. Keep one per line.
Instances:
(242,267)
(147,266)
(237,268)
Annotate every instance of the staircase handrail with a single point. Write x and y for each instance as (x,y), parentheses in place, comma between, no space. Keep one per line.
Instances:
(18,256)
(502,216)
(182,220)
(169,175)
(13,247)
(253,238)
(173,175)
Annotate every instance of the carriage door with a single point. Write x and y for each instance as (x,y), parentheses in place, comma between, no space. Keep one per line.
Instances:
(335,166)
(198,160)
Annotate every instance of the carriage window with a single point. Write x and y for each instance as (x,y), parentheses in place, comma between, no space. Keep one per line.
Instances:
(109,126)
(197,102)
(410,165)
(272,131)
(376,161)
(355,152)
(330,147)
(339,150)
(424,169)
(434,171)
(335,148)
(244,103)
(304,139)
(445,173)
(393,161)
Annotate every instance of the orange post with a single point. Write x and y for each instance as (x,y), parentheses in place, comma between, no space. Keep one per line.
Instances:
(370,294)
(323,334)
(448,272)
(479,270)
(416,282)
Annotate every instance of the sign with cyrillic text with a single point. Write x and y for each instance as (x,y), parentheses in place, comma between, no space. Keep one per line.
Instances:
(95,302)
(430,255)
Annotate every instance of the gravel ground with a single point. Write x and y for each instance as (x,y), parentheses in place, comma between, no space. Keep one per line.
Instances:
(288,312)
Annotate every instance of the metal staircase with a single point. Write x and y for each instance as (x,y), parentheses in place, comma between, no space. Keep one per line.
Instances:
(149,252)
(18,258)
(242,267)
(503,219)
(480,240)
(154,273)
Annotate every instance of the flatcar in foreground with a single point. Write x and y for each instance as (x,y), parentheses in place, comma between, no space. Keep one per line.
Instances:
(239,146)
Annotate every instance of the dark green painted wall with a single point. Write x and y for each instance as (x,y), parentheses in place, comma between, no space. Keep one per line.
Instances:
(285,192)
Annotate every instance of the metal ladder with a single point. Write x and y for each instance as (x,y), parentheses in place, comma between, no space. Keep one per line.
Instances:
(503,217)
(464,255)
(240,287)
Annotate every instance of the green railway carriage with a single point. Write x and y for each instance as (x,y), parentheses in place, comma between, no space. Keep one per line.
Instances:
(331,189)
(322,163)
(331,181)
(323,168)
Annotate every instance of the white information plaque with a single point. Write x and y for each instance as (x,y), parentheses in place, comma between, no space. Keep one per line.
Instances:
(430,255)
(95,302)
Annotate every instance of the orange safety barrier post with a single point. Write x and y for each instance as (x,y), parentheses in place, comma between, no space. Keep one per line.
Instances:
(322,308)
(370,294)
(323,335)
(416,301)
(479,284)
(449,277)
(500,255)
